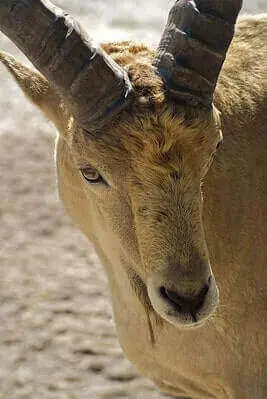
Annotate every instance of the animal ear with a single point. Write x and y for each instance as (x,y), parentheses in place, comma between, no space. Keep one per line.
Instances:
(36,88)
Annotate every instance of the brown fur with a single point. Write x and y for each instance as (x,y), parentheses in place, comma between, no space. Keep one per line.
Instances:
(156,159)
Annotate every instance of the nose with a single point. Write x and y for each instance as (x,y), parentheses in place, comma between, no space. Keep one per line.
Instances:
(186,304)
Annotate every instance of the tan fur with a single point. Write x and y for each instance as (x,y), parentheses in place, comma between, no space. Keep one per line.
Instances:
(147,220)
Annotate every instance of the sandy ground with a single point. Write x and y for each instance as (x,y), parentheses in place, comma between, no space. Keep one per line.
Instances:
(57,336)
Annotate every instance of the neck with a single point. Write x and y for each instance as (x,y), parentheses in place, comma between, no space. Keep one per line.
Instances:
(241,88)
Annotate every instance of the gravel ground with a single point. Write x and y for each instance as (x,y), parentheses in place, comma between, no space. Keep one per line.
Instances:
(57,336)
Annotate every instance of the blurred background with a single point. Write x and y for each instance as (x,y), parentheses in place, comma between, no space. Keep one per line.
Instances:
(57,337)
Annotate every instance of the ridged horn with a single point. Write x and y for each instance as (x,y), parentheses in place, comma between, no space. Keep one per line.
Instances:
(93,83)
(193,48)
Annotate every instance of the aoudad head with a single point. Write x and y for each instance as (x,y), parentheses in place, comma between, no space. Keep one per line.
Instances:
(136,139)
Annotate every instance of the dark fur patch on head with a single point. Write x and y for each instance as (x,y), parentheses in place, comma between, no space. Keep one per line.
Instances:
(140,291)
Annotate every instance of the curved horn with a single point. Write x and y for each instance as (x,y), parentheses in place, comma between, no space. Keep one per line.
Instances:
(94,84)
(193,48)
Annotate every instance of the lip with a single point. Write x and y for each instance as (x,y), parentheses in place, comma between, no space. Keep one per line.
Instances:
(194,326)
(187,323)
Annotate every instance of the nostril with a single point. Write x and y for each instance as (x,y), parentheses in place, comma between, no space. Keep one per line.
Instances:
(182,303)
(172,296)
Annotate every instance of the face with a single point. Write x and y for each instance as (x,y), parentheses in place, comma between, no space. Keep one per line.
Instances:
(136,194)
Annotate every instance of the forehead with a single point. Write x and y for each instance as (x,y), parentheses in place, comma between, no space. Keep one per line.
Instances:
(164,140)
(163,136)
(156,139)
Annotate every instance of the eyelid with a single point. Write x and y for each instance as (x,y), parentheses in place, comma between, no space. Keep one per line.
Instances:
(83,166)
(101,181)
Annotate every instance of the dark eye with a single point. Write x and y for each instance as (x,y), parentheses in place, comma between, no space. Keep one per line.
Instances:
(92,176)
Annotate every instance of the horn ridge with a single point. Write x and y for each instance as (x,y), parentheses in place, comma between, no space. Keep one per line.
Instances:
(226,10)
(96,87)
(196,38)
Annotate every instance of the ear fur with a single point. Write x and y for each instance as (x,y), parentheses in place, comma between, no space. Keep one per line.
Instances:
(36,88)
